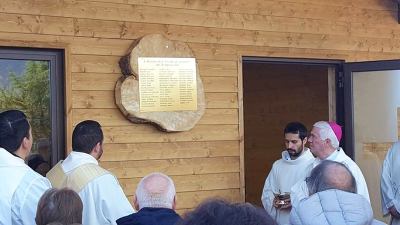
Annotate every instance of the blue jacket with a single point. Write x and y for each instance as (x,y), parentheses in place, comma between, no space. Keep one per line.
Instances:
(333,207)
(150,216)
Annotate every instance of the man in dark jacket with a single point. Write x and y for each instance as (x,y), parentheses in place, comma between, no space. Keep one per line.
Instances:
(155,200)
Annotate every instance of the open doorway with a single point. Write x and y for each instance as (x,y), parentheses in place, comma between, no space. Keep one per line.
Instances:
(274,94)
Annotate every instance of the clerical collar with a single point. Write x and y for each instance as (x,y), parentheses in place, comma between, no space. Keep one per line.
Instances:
(12,153)
(333,155)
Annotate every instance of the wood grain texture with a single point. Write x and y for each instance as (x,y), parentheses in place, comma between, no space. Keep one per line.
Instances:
(129,169)
(235,5)
(186,183)
(169,150)
(152,14)
(145,133)
(113,117)
(96,33)
(189,200)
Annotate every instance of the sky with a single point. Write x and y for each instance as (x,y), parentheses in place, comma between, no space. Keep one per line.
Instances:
(7,66)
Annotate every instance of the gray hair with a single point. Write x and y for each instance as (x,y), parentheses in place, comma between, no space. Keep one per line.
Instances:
(331,175)
(155,190)
(326,132)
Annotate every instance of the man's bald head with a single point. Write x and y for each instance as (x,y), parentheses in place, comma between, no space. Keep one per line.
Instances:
(155,190)
(331,175)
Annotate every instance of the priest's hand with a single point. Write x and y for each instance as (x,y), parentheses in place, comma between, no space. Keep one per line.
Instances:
(393,211)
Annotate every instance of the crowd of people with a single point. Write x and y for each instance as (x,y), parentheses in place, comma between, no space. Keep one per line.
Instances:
(316,185)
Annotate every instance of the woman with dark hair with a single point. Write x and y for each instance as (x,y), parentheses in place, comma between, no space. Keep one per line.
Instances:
(220,212)
(21,187)
(59,206)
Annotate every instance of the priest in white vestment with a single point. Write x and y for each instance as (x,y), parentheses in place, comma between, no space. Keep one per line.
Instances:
(390,184)
(21,187)
(324,144)
(103,198)
(286,172)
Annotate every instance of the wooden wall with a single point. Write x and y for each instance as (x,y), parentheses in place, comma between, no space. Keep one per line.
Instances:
(207,160)
(274,95)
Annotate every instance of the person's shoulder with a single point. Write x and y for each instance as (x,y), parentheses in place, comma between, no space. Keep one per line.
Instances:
(277,163)
(129,219)
(349,162)
(105,179)
(345,159)
(308,154)
(352,166)
(36,179)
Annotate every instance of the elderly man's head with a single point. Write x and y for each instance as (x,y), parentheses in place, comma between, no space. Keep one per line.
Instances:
(331,175)
(155,190)
(324,138)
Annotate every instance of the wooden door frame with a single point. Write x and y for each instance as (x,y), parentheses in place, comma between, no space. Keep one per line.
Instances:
(338,64)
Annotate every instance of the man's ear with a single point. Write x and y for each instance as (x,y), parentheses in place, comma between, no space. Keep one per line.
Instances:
(95,151)
(97,148)
(305,141)
(25,143)
(24,148)
(135,203)
(174,203)
(328,142)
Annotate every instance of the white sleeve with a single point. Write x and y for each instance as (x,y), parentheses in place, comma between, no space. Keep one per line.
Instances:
(387,192)
(26,199)
(298,192)
(362,188)
(267,197)
(114,203)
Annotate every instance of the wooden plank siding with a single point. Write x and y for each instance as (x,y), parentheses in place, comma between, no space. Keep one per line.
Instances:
(208,160)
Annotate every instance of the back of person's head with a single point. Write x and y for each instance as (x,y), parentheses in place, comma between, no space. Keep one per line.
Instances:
(331,175)
(59,206)
(331,131)
(14,127)
(34,160)
(155,190)
(296,128)
(220,212)
(38,164)
(332,207)
(86,135)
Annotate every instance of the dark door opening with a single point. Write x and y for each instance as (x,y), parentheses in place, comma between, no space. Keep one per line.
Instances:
(362,97)
(274,94)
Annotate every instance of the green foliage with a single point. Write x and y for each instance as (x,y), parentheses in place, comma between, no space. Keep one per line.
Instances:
(31,94)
